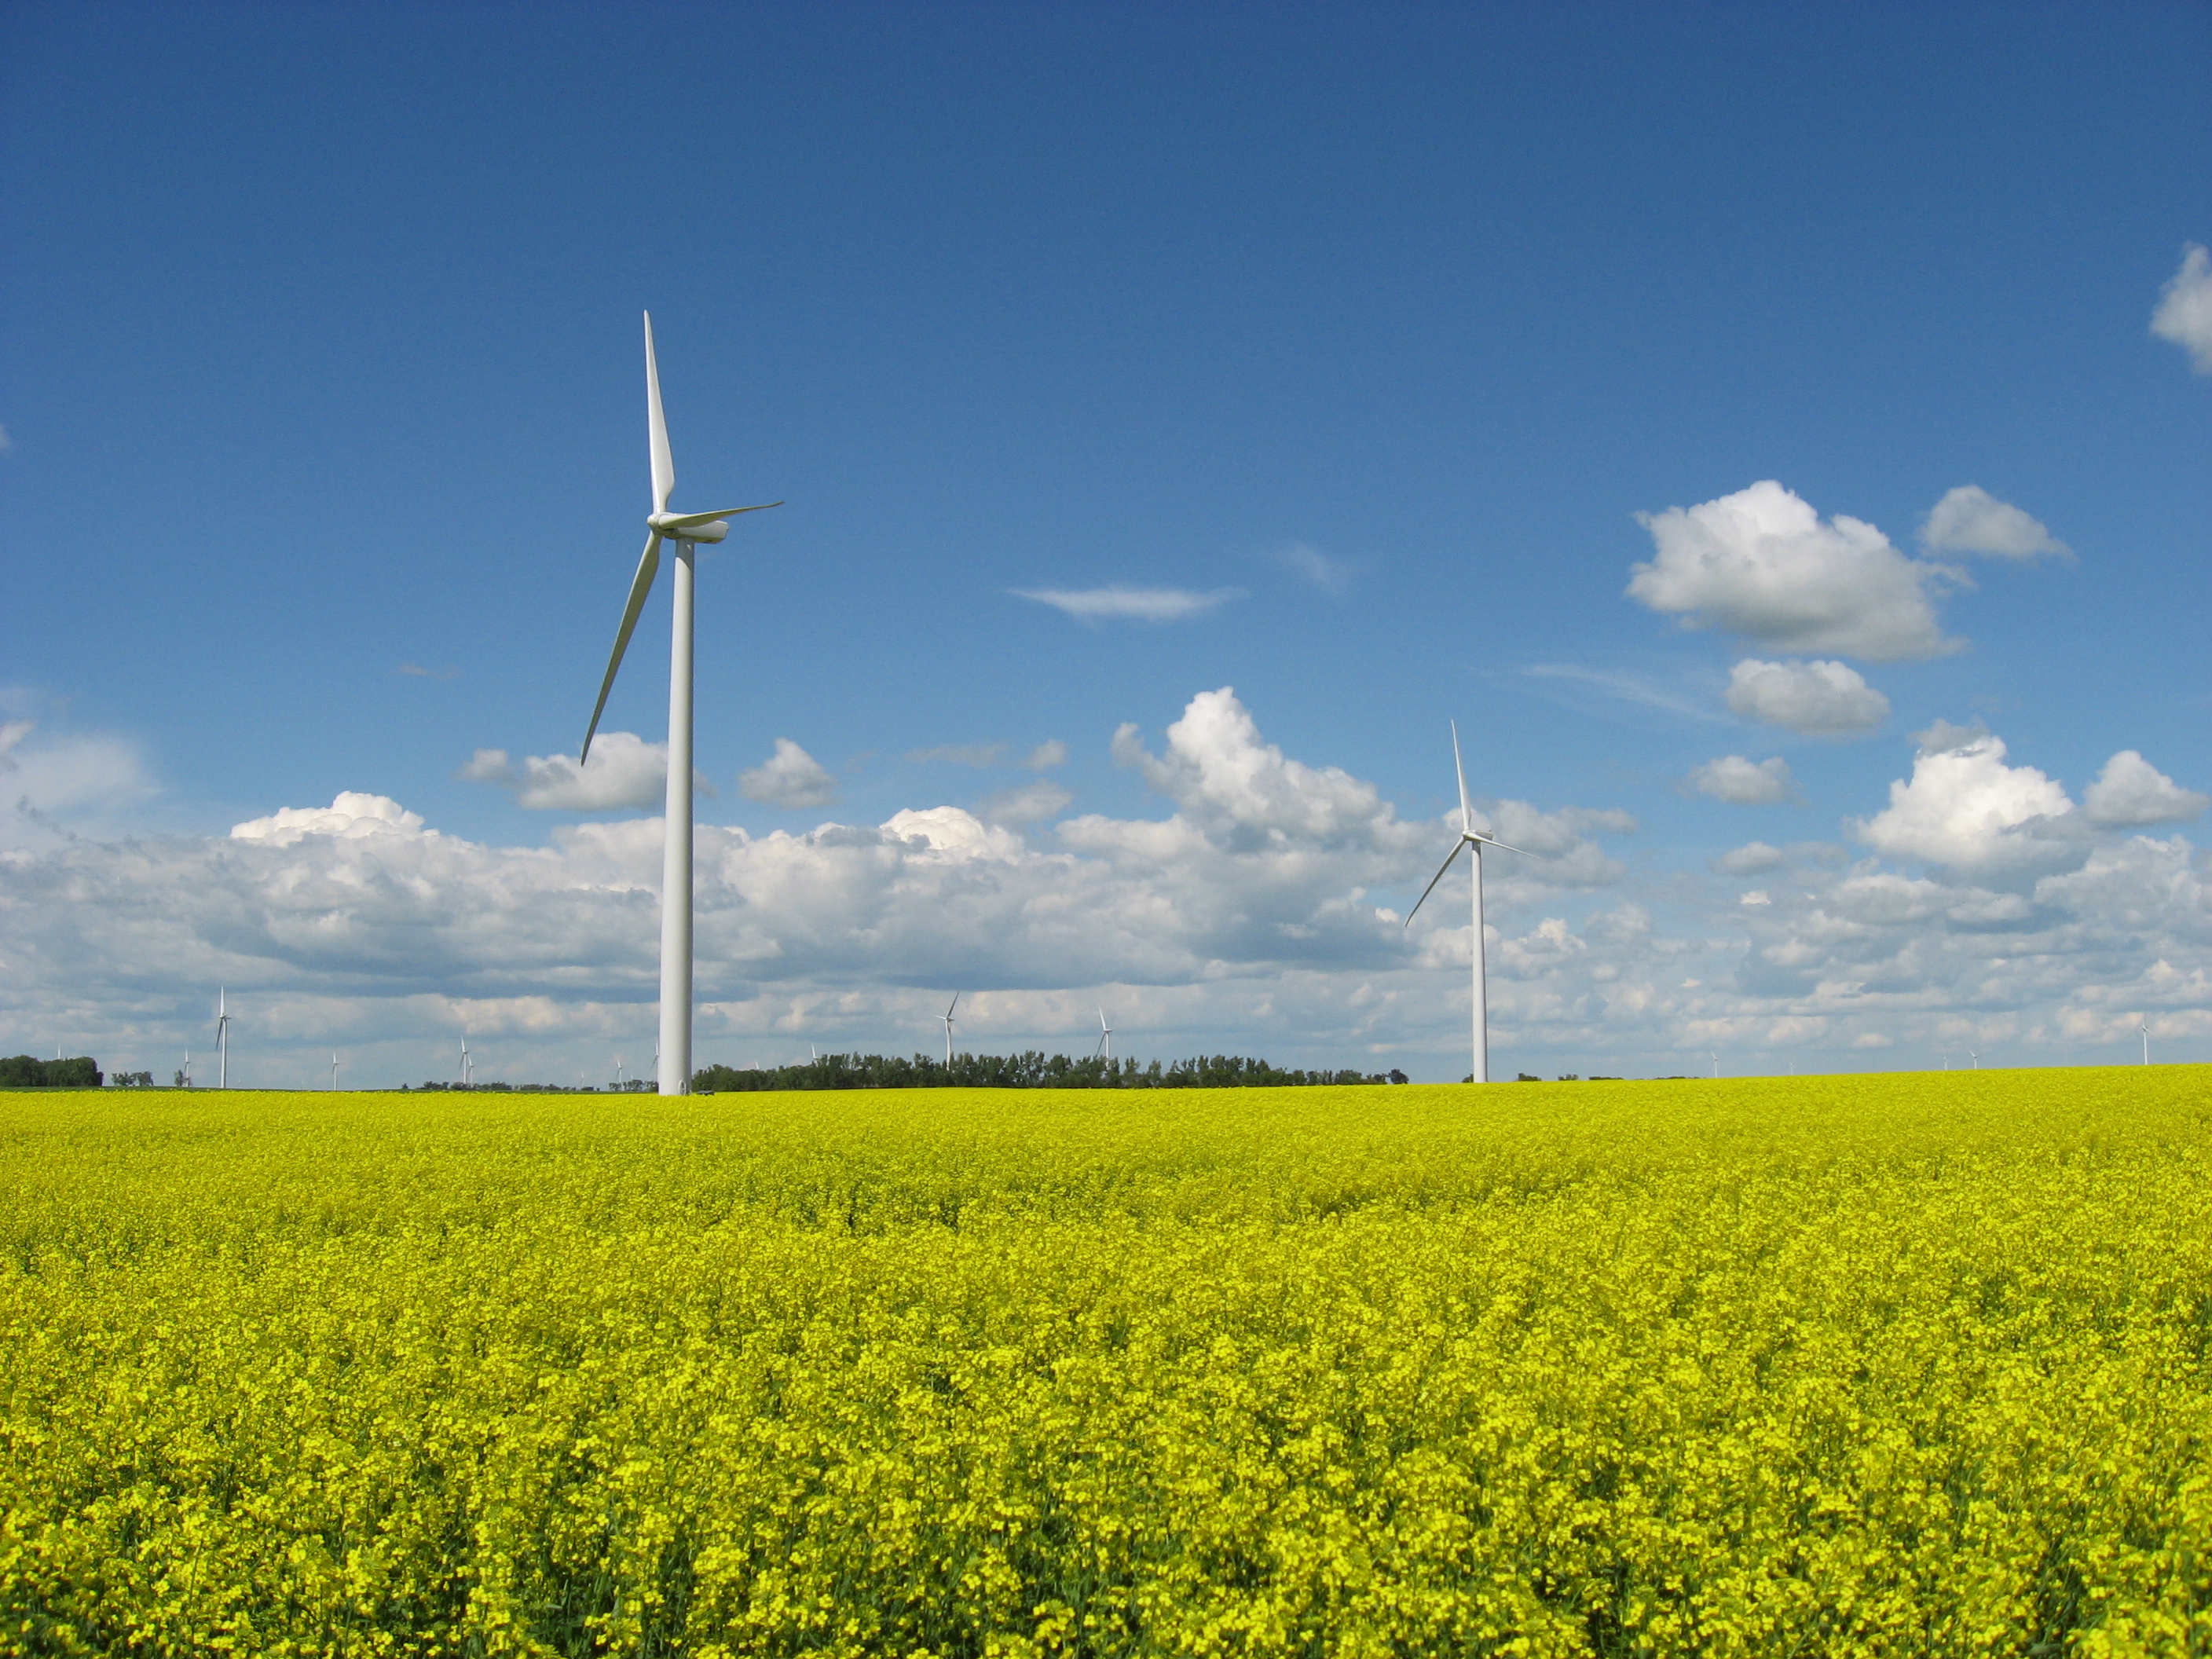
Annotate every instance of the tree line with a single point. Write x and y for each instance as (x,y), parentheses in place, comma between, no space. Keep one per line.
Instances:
(28,1071)
(1031,1069)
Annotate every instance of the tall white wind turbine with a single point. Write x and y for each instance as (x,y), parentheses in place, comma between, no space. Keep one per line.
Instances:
(468,1065)
(686,530)
(334,1070)
(1105,1038)
(222,1038)
(1469,838)
(2145,1029)
(947,1018)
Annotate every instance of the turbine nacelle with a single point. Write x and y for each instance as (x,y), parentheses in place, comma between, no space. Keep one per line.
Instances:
(685,528)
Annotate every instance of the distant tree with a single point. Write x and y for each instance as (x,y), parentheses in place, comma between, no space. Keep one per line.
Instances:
(1525,1077)
(25,1072)
(1397,1076)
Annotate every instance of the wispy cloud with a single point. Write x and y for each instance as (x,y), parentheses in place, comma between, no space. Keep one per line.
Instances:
(1329,574)
(961,754)
(1117,604)
(415,670)
(1626,688)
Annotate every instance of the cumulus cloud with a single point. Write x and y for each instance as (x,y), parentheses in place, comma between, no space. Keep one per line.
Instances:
(1255,913)
(1154,605)
(2184,308)
(624,771)
(2130,794)
(1819,699)
(1965,810)
(1047,755)
(1741,782)
(1761,563)
(349,816)
(789,778)
(1969,519)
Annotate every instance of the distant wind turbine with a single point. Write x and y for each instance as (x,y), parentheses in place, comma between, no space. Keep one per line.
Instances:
(686,530)
(1976,1057)
(222,1038)
(1105,1038)
(2145,1029)
(1469,838)
(188,1068)
(468,1065)
(334,1070)
(947,1018)
(1714,1057)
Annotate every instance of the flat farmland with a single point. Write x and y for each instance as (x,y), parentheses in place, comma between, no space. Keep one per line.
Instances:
(1898,1365)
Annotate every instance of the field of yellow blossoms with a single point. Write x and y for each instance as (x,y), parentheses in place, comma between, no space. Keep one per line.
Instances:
(1902,1364)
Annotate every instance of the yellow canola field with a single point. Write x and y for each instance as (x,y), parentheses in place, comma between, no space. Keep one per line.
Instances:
(1905,1364)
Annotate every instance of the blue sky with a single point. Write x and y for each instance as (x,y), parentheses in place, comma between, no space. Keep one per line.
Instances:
(1376,329)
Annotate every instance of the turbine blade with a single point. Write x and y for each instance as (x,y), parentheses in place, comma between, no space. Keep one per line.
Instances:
(664,464)
(1433,880)
(686,521)
(1492,841)
(1466,813)
(950,1005)
(640,584)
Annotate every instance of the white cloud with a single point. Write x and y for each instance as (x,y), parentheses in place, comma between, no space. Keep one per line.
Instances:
(1969,519)
(1047,755)
(624,771)
(1819,699)
(1740,782)
(1624,687)
(1025,805)
(789,778)
(2130,792)
(55,786)
(1157,605)
(1965,810)
(350,816)
(1762,564)
(2184,308)
(1254,914)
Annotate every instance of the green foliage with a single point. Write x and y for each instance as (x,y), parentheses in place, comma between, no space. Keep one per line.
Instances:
(1890,1365)
(26,1072)
(1030,1070)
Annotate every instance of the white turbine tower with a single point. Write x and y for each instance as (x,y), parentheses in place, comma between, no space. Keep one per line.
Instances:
(188,1068)
(334,1070)
(1105,1038)
(686,530)
(947,1018)
(1469,838)
(222,1038)
(1715,1059)
(1976,1057)
(468,1065)
(2145,1029)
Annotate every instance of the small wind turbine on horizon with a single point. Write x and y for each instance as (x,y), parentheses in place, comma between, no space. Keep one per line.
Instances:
(468,1064)
(188,1068)
(1714,1056)
(2145,1029)
(947,1018)
(1105,1038)
(1469,838)
(1976,1057)
(334,1070)
(222,1038)
(687,529)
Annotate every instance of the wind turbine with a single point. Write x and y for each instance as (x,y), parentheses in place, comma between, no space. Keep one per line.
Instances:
(1714,1056)
(1976,1057)
(1469,838)
(468,1065)
(188,1068)
(947,1018)
(686,530)
(222,1038)
(334,1070)
(1105,1038)
(2145,1029)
